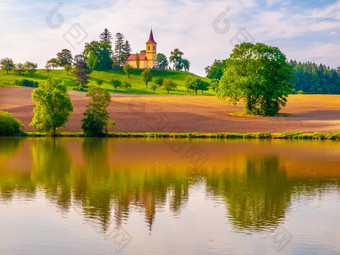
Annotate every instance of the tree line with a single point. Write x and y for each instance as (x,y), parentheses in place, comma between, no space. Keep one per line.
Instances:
(315,79)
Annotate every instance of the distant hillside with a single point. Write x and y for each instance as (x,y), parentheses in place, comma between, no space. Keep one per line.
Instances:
(138,85)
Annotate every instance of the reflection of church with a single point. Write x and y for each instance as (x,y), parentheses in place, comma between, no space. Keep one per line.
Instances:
(147,59)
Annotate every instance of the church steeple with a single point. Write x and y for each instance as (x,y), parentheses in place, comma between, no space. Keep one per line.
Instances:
(151,40)
(151,51)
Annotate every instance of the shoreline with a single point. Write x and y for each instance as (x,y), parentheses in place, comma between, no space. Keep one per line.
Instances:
(260,135)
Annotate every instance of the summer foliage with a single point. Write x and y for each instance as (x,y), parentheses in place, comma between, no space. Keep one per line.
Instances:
(96,116)
(10,126)
(259,75)
(53,106)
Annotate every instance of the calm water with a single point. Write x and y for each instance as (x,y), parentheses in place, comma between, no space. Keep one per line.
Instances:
(108,196)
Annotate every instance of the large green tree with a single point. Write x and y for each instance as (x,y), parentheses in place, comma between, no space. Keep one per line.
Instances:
(96,116)
(64,57)
(259,75)
(161,61)
(7,64)
(53,106)
(98,55)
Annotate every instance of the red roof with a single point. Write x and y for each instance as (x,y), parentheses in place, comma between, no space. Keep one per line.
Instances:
(151,40)
(132,57)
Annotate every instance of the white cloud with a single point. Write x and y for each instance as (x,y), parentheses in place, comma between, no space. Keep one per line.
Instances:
(186,24)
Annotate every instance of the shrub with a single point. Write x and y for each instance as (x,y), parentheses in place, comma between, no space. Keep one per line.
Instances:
(10,126)
(27,83)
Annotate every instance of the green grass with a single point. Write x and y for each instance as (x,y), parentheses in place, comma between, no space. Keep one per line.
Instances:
(138,85)
(263,135)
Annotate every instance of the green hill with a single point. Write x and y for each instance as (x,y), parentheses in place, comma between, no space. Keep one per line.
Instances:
(138,85)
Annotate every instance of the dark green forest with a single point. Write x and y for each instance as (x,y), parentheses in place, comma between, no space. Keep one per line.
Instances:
(315,79)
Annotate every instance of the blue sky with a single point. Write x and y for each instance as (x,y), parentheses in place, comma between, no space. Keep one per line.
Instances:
(304,30)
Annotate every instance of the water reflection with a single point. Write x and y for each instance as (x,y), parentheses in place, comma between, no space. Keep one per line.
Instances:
(108,179)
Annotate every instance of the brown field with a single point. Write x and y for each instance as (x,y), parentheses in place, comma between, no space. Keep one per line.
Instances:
(135,113)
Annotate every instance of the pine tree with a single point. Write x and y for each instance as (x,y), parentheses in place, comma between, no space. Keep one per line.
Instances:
(119,42)
(126,51)
(106,36)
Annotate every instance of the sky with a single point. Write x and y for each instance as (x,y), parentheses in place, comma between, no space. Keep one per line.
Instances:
(304,30)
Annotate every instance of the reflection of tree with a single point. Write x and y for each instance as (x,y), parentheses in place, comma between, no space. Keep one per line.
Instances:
(8,146)
(11,182)
(257,199)
(52,169)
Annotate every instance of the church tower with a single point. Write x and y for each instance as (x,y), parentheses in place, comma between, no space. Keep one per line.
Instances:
(151,51)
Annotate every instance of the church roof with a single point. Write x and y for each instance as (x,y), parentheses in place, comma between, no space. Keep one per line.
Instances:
(151,40)
(132,57)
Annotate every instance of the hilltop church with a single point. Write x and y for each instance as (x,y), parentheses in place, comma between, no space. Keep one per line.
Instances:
(147,59)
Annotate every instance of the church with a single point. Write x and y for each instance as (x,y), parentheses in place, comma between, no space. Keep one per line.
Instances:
(147,59)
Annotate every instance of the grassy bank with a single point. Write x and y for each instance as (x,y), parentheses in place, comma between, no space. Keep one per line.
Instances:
(265,135)
(138,85)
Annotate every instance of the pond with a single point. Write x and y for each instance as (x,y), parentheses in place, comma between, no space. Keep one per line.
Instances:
(168,196)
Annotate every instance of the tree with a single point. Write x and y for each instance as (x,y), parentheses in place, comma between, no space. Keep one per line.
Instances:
(20,68)
(137,60)
(186,64)
(64,57)
(53,106)
(147,76)
(119,42)
(161,61)
(53,62)
(126,51)
(67,68)
(106,36)
(30,67)
(128,70)
(10,126)
(116,83)
(48,69)
(168,85)
(198,84)
(99,82)
(159,81)
(7,64)
(214,84)
(188,78)
(127,85)
(96,116)
(81,71)
(215,71)
(178,62)
(258,74)
(98,55)
(154,86)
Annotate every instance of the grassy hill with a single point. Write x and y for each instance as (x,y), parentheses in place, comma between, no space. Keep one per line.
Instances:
(138,85)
